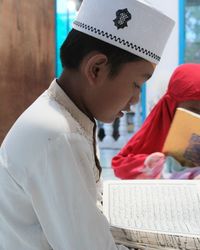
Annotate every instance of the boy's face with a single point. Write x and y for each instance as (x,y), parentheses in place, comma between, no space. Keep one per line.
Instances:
(116,94)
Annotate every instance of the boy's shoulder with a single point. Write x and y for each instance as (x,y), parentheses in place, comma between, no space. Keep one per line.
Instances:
(45,119)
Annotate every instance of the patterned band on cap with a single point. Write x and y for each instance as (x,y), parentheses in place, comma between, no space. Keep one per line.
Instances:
(118,39)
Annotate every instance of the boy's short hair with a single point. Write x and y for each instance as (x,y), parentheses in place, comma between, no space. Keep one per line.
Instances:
(77,45)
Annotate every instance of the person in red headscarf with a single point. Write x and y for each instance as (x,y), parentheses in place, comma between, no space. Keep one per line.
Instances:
(183,91)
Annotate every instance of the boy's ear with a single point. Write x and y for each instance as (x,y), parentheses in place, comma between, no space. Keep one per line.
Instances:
(95,68)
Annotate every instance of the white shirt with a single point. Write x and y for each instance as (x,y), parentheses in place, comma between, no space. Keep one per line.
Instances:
(48,180)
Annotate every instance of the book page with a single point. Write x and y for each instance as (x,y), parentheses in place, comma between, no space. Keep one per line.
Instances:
(167,207)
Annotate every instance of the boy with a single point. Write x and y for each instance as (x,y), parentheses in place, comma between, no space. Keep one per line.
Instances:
(48,164)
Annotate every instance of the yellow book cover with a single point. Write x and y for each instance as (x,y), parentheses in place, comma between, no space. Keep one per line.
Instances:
(183,139)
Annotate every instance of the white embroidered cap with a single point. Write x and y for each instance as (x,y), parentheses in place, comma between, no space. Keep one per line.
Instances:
(132,25)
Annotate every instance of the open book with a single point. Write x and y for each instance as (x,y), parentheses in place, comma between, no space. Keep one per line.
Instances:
(183,139)
(154,214)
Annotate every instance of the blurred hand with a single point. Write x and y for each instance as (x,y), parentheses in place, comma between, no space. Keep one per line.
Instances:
(154,164)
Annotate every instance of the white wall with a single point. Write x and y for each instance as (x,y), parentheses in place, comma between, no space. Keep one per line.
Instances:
(157,85)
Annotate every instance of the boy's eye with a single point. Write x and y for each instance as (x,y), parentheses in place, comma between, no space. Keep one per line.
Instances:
(137,85)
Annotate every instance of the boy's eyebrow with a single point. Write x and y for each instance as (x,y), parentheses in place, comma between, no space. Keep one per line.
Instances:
(147,76)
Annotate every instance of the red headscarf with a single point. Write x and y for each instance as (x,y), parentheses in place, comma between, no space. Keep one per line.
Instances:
(184,85)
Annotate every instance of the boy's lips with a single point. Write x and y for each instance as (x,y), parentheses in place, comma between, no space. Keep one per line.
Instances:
(120,114)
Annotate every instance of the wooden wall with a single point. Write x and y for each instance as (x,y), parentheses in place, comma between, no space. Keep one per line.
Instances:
(27,55)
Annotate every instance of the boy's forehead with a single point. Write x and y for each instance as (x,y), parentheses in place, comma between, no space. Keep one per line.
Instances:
(132,25)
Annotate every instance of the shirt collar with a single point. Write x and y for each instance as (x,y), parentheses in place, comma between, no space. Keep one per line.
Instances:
(60,96)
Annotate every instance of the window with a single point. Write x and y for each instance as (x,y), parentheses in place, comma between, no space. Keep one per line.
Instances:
(192,31)
(66,11)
